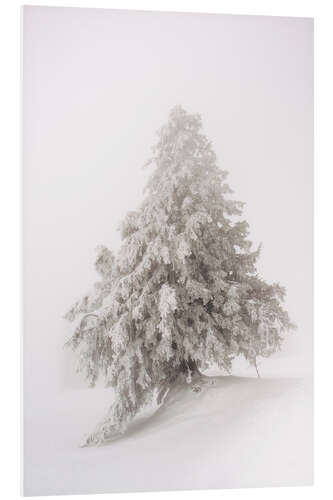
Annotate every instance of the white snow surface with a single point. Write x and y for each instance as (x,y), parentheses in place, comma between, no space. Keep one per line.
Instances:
(240,432)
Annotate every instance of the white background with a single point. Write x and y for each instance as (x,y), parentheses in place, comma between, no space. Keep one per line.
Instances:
(97,86)
(10,213)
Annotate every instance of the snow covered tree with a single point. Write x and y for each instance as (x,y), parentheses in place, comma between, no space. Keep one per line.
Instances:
(182,293)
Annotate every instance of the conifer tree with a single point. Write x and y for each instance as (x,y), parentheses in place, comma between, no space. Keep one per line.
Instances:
(183,292)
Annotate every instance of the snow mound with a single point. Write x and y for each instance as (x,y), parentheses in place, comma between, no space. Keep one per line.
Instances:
(236,432)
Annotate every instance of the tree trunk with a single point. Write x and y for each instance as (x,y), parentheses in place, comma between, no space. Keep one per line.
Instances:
(256,367)
(190,364)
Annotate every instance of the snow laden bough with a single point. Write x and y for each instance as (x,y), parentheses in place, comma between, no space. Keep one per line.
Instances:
(182,294)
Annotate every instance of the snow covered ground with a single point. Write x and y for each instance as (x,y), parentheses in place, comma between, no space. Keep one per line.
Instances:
(240,432)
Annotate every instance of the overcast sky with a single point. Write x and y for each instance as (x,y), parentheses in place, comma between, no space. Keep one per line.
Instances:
(97,86)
